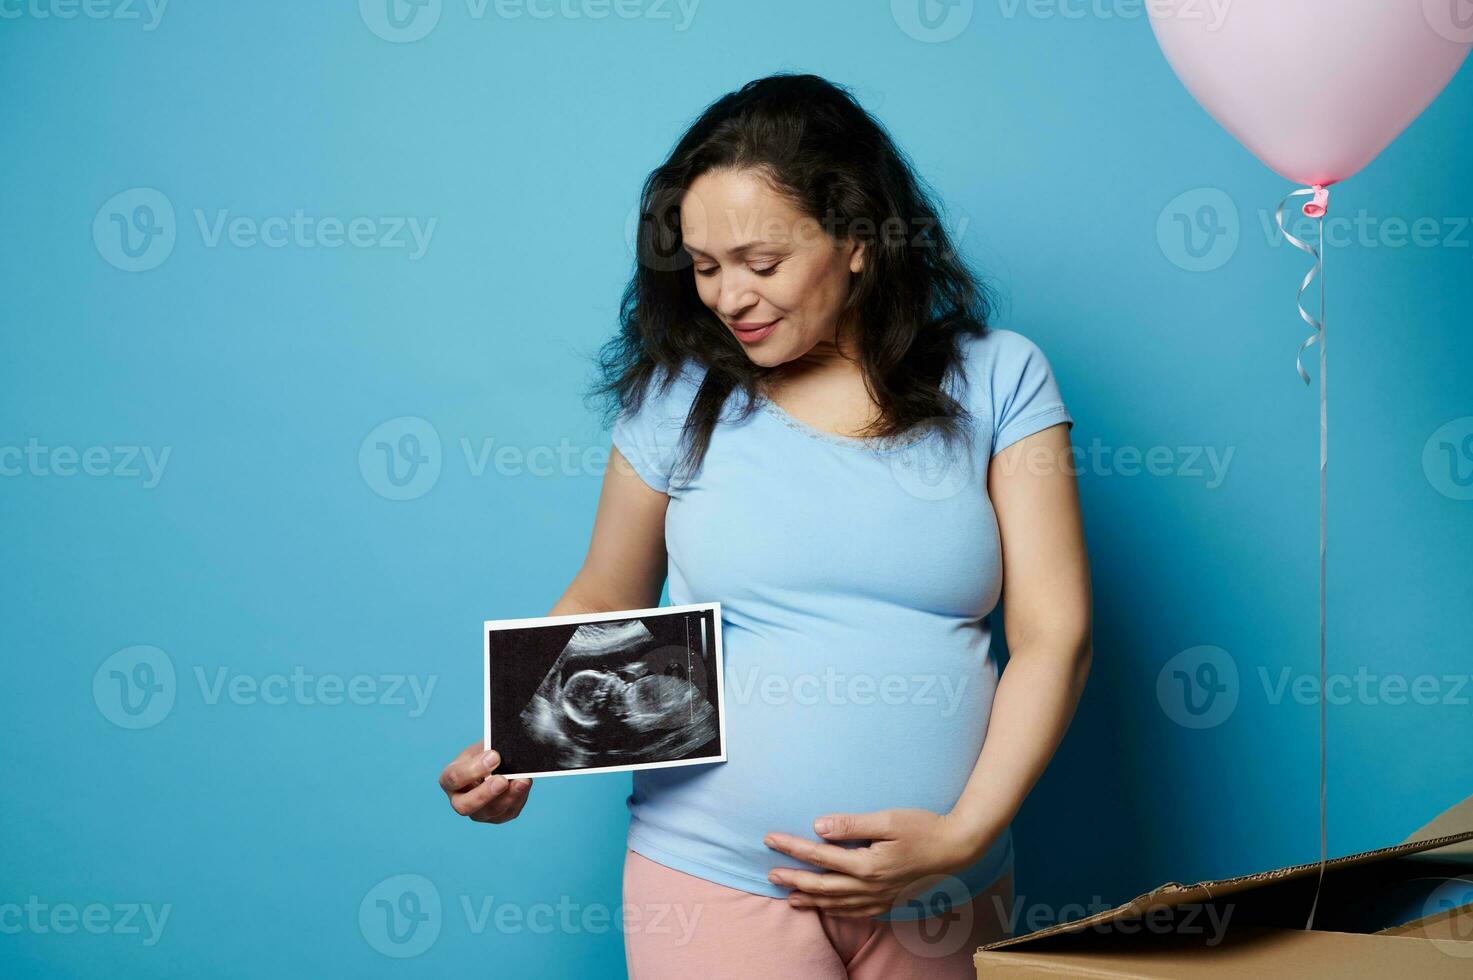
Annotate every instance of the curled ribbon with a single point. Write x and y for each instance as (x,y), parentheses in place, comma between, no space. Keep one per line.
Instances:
(1315,208)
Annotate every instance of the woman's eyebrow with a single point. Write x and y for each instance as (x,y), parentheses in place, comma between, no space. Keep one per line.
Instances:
(735,249)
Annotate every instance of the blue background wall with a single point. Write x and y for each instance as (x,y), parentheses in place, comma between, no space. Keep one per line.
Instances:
(1061,146)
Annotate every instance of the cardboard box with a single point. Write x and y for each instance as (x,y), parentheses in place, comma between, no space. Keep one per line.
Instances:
(1404,910)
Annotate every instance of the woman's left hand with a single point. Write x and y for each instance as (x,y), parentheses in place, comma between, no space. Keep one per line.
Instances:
(907,844)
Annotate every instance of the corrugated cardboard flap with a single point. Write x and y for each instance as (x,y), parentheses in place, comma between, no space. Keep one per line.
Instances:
(1454,924)
(1174,894)
(1244,952)
(1450,822)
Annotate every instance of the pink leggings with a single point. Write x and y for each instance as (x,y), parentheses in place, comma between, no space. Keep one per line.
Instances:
(683,926)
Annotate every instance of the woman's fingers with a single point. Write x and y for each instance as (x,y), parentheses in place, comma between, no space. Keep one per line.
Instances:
(804,900)
(477,798)
(472,766)
(477,791)
(829,883)
(855,861)
(507,805)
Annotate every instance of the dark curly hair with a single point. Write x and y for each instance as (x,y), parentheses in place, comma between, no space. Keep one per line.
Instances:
(814,144)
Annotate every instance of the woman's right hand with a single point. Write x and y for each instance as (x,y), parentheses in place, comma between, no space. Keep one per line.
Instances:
(477,791)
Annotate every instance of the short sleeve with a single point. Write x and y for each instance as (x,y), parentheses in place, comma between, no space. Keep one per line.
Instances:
(650,437)
(1025,396)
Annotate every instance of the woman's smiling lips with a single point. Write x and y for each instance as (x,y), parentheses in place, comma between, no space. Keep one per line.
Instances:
(750,333)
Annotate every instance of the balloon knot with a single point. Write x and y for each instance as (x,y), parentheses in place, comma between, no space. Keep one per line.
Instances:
(1319,204)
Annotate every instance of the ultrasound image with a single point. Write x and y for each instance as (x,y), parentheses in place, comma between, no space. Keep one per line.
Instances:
(624,692)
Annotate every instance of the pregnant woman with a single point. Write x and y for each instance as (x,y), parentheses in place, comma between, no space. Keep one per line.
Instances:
(817,427)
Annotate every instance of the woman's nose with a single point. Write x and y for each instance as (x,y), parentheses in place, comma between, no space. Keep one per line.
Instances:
(736,296)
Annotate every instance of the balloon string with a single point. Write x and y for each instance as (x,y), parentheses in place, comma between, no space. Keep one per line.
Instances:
(1316,209)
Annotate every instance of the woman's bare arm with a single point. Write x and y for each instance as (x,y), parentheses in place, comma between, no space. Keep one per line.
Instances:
(1047,599)
(626,563)
(624,569)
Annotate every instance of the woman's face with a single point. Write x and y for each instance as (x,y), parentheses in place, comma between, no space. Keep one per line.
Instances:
(775,277)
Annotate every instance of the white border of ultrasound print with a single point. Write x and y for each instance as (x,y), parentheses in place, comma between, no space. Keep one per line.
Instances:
(491,625)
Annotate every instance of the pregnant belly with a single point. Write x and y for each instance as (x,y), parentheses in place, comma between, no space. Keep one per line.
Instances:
(867,735)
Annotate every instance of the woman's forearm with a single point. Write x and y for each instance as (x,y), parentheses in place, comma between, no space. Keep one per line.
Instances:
(597,593)
(574,601)
(1031,710)
(570,605)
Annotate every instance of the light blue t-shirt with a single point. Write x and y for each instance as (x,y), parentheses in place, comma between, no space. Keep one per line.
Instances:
(854,578)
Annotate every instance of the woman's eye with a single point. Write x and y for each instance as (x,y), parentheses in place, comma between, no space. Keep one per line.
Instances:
(766,270)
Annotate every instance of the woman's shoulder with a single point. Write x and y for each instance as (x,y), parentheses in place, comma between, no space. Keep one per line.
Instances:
(999,348)
(997,359)
(691,372)
(1010,383)
(668,391)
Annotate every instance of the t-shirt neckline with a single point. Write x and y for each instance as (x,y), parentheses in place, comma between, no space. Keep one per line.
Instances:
(834,438)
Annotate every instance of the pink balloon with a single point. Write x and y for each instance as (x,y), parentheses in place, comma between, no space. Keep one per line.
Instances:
(1314,88)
